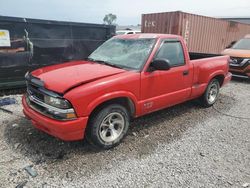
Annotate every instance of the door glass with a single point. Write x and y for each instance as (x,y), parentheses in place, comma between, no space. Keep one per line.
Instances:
(173,52)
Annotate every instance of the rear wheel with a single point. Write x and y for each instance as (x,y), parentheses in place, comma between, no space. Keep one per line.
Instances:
(211,94)
(108,126)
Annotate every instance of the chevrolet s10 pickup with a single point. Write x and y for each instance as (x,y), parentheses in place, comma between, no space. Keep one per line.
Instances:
(126,77)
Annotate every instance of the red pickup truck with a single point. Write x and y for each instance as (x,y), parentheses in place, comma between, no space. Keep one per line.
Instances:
(126,77)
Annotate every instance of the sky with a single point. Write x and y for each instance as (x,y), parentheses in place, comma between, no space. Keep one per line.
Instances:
(128,12)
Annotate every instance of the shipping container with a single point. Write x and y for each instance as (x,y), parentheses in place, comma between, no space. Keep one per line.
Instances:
(202,34)
(27,44)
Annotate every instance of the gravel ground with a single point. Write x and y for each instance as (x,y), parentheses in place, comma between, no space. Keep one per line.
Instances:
(183,146)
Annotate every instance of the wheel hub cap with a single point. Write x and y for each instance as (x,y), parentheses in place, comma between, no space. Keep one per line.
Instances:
(111,127)
(213,92)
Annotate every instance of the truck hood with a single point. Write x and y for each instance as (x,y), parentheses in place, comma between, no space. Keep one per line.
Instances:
(62,77)
(237,53)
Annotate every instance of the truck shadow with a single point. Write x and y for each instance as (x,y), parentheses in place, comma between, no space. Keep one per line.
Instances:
(146,134)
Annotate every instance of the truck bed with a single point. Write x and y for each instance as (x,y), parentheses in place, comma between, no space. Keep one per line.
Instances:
(195,55)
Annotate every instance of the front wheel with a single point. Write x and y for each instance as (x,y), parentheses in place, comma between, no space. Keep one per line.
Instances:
(211,94)
(108,126)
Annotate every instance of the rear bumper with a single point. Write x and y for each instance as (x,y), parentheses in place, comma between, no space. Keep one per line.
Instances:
(227,78)
(64,130)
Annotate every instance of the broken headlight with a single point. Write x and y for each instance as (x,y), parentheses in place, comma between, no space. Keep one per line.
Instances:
(57,102)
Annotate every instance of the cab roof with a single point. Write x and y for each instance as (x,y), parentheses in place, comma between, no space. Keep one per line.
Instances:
(147,35)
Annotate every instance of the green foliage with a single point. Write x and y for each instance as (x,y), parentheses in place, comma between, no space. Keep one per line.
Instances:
(109,19)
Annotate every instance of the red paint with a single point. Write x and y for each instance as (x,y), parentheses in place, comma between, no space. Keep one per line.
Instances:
(87,85)
(65,130)
(73,74)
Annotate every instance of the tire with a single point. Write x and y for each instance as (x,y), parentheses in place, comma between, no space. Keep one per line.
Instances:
(211,94)
(102,132)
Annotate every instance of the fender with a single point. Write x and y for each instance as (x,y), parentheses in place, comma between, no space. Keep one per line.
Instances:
(198,90)
(216,73)
(205,78)
(110,96)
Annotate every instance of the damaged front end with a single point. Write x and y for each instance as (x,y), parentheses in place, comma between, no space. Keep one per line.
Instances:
(47,102)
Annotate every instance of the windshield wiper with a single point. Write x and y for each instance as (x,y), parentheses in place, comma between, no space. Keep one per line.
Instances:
(105,63)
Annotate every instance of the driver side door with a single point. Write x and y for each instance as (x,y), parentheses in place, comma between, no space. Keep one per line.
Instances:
(164,88)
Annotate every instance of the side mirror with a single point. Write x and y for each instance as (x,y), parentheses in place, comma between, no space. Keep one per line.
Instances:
(160,64)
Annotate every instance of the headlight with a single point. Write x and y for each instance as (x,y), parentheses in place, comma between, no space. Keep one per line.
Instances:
(57,102)
(62,115)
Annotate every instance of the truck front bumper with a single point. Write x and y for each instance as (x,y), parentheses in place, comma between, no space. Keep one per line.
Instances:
(65,130)
(241,69)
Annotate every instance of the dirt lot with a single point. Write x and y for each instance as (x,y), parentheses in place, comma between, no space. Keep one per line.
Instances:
(184,146)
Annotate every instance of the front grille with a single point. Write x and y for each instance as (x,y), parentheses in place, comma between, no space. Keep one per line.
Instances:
(239,63)
(35,106)
(34,91)
(40,109)
(36,99)
(236,60)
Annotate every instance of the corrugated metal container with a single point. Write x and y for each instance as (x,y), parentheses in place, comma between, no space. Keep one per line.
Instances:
(202,34)
(34,43)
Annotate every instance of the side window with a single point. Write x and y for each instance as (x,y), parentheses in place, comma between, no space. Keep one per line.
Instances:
(172,50)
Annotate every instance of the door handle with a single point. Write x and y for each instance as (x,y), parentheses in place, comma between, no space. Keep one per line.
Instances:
(185,73)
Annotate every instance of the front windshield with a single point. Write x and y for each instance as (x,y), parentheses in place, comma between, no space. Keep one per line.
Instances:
(243,44)
(124,53)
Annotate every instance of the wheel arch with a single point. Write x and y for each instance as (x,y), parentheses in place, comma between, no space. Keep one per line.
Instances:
(126,100)
(93,122)
(219,77)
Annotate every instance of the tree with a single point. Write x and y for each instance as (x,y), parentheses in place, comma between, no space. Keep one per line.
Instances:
(109,19)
